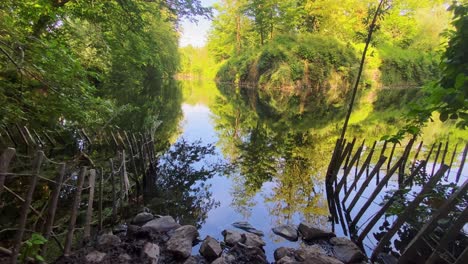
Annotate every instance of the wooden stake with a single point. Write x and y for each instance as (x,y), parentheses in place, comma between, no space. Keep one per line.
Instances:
(387,205)
(53,204)
(449,235)
(74,212)
(414,245)
(89,211)
(366,182)
(462,164)
(101,185)
(5,160)
(358,176)
(436,157)
(409,210)
(25,207)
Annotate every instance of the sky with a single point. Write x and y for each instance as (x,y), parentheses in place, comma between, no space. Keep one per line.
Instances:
(195,33)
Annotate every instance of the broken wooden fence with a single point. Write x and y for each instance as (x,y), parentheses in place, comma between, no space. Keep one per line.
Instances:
(351,192)
(137,150)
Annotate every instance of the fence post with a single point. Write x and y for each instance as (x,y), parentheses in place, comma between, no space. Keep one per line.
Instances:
(114,197)
(53,204)
(5,160)
(101,181)
(25,207)
(89,211)
(387,205)
(432,223)
(409,210)
(462,163)
(74,212)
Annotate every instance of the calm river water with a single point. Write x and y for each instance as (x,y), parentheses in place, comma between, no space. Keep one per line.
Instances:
(277,158)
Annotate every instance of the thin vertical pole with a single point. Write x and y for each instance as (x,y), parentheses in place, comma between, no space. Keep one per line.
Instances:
(462,163)
(114,196)
(89,211)
(409,210)
(74,212)
(25,207)
(5,160)
(101,185)
(436,158)
(53,203)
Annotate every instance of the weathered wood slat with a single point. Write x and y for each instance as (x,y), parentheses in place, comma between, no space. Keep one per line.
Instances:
(53,203)
(25,207)
(114,195)
(414,245)
(348,169)
(436,158)
(387,205)
(408,211)
(5,160)
(89,210)
(358,176)
(366,183)
(449,235)
(462,164)
(101,197)
(452,159)
(376,191)
(463,258)
(416,155)
(74,212)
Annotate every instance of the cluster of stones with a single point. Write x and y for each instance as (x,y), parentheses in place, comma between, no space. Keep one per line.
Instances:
(161,239)
(327,248)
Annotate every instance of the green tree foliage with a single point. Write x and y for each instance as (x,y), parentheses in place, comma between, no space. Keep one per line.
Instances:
(250,32)
(88,63)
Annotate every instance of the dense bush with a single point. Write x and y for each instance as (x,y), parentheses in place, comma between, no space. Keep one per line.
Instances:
(407,67)
(302,62)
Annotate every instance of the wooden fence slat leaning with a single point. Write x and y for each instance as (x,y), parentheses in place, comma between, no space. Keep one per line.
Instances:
(74,211)
(37,163)
(408,211)
(89,210)
(5,160)
(53,203)
(414,245)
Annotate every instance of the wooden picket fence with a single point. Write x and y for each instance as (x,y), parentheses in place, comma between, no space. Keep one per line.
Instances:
(350,196)
(127,173)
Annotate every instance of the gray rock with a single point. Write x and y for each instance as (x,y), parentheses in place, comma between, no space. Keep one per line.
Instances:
(346,251)
(248,254)
(282,252)
(287,231)
(95,256)
(210,248)
(310,233)
(191,260)
(121,228)
(252,240)
(287,260)
(225,259)
(231,237)
(247,227)
(314,255)
(108,240)
(180,243)
(142,218)
(163,224)
(151,251)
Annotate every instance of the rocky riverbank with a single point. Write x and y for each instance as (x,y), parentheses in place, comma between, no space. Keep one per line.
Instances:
(160,239)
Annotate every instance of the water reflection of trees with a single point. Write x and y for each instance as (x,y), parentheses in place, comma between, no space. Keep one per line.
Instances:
(263,135)
(180,189)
